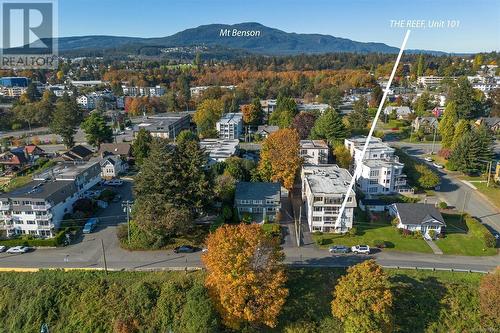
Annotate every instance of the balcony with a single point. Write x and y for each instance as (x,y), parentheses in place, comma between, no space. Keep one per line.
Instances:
(5,207)
(44,217)
(40,207)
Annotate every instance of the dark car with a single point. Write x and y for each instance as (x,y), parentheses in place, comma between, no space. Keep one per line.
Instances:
(339,249)
(185,249)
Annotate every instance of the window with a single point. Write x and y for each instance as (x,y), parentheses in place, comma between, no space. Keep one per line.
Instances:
(318,209)
(372,190)
(373,181)
(17,212)
(373,173)
(318,199)
(257,202)
(317,218)
(30,222)
(349,199)
(270,202)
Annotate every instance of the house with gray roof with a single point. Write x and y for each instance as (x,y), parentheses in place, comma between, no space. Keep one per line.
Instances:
(418,217)
(261,200)
(401,112)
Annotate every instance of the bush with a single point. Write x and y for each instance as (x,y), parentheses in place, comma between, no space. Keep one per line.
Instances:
(107,195)
(379,243)
(28,240)
(353,231)
(321,241)
(443,205)
(417,234)
(317,233)
(451,166)
(395,222)
(489,239)
(432,234)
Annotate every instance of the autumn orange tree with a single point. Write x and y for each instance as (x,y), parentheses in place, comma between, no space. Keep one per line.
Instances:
(279,157)
(245,277)
(363,299)
(489,295)
(250,113)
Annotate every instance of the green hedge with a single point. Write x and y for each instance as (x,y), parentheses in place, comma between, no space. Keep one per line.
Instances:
(32,241)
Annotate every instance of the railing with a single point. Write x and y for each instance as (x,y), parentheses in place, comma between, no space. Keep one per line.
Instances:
(40,207)
(44,217)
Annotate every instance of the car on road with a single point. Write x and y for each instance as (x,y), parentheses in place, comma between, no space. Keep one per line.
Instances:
(496,234)
(428,159)
(339,249)
(437,165)
(185,249)
(361,249)
(19,249)
(3,248)
(90,225)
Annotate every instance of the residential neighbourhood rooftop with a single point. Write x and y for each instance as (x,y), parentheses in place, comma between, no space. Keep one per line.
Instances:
(418,213)
(327,178)
(257,191)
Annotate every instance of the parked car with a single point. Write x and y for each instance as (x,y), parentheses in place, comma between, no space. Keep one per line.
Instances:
(90,225)
(185,249)
(339,249)
(439,166)
(19,249)
(114,182)
(3,248)
(362,249)
(428,159)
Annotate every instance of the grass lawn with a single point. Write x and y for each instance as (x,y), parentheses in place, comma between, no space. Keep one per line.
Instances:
(461,241)
(492,192)
(368,232)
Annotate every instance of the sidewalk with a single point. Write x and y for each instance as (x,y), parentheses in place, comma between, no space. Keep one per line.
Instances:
(433,246)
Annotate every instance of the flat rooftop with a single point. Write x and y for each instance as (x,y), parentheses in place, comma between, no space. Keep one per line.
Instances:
(229,118)
(313,144)
(219,147)
(64,171)
(327,179)
(53,190)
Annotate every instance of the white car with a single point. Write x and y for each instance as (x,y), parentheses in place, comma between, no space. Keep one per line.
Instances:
(3,248)
(18,249)
(363,249)
(428,159)
(439,166)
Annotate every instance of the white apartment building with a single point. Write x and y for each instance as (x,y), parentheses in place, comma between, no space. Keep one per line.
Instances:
(38,208)
(230,126)
(323,191)
(155,91)
(427,81)
(381,171)
(314,151)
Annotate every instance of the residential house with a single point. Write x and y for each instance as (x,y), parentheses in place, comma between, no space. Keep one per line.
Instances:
(38,208)
(324,188)
(427,124)
(309,107)
(402,112)
(123,150)
(492,123)
(77,153)
(418,217)
(14,159)
(197,91)
(438,111)
(314,151)
(265,130)
(155,91)
(381,172)
(259,199)
(219,150)
(230,126)
(268,106)
(432,81)
(372,205)
(112,166)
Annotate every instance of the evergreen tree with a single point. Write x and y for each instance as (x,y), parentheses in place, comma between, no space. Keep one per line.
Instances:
(141,146)
(286,110)
(464,97)
(329,127)
(473,151)
(461,128)
(447,125)
(66,118)
(96,130)
(359,117)
(420,65)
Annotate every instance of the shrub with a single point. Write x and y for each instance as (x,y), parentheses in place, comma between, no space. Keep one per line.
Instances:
(432,234)
(395,222)
(489,239)
(451,166)
(321,241)
(353,231)
(417,234)
(107,195)
(379,243)
(28,240)
(406,232)
(317,233)
(445,153)
(443,205)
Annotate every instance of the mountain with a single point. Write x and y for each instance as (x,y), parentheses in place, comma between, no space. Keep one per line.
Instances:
(269,41)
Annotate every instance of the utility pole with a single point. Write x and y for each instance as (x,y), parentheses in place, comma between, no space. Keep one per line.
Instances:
(104,257)
(433,140)
(489,173)
(127,206)
(464,205)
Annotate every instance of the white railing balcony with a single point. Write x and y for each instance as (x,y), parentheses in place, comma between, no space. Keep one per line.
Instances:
(44,217)
(45,227)
(5,207)
(40,207)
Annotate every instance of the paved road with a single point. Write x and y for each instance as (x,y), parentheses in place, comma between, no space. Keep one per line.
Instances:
(454,191)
